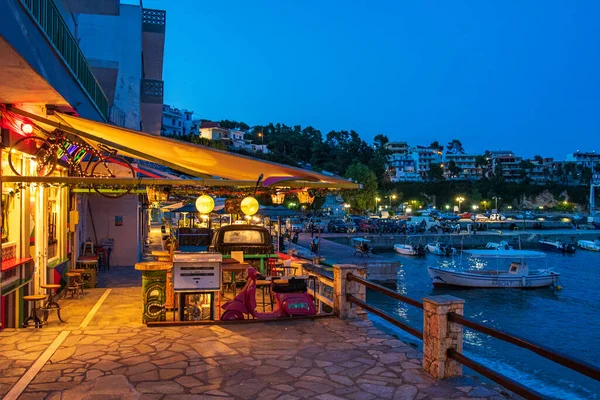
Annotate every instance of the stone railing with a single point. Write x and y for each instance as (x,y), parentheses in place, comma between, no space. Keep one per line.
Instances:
(442,335)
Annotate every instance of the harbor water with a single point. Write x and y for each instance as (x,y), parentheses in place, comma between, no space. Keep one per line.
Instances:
(567,320)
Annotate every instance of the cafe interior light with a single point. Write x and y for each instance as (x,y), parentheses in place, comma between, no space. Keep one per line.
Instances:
(249,205)
(278,198)
(205,204)
(26,128)
(304,197)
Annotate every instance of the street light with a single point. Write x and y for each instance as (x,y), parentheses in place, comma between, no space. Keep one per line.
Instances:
(496,198)
(377,199)
(262,139)
(475,207)
(460,199)
(392,196)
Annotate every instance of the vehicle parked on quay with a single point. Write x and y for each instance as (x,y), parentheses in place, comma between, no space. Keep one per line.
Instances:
(337,226)
(448,217)
(368,226)
(497,217)
(294,225)
(479,218)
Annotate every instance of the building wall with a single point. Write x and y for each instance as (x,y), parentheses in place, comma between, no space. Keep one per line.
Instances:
(126,251)
(102,41)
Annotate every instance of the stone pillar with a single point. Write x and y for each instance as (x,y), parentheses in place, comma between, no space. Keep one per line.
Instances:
(439,335)
(341,287)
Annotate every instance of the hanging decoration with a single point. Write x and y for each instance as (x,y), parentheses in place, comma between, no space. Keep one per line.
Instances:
(156,195)
(304,197)
(205,204)
(249,206)
(278,198)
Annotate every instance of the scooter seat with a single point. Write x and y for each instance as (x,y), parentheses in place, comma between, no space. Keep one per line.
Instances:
(293,286)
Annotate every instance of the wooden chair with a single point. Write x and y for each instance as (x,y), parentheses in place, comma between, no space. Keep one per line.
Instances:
(51,304)
(33,315)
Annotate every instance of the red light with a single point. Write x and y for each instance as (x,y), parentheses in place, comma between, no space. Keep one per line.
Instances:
(27,128)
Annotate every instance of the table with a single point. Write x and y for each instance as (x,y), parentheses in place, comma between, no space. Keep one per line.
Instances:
(161,255)
(233,266)
(154,281)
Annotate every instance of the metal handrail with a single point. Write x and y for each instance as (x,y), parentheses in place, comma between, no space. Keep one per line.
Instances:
(576,365)
(413,331)
(384,290)
(500,379)
(52,24)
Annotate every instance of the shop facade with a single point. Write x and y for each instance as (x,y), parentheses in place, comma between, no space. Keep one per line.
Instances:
(36,242)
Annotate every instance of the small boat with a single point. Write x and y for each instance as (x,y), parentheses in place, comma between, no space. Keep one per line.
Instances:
(361,246)
(409,250)
(503,245)
(440,249)
(589,245)
(557,246)
(517,276)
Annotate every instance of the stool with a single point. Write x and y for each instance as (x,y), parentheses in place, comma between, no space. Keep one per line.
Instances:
(50,303)
(264,284)
(86,246)
(73,285)
(33,315)
(102,255)
(82,279)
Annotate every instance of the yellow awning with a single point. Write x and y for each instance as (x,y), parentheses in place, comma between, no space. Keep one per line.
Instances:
(191,159)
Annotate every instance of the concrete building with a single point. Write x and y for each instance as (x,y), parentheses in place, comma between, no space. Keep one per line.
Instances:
(507,163)
(401,162)
(426,156)
(176,122)
(469,171)
(587,159)
(213,131)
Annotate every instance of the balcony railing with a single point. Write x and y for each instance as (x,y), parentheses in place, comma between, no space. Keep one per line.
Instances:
(51,22)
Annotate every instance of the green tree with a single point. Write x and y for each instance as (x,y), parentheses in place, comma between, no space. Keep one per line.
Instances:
(455,147)
(435,172)
(362,199)
(453,169)
(538,159)
(436,145)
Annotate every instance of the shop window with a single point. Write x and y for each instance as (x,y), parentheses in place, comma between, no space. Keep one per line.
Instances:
(51,222)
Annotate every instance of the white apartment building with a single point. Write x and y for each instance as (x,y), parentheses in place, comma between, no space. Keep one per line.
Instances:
(466,163)
(177,122)
(586,158)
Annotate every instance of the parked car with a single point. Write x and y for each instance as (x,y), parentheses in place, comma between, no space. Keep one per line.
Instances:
(465,215)
(368,226)
(497,217)
(251,239)
(337,226)
(449,217)
(294,225)
(480,218)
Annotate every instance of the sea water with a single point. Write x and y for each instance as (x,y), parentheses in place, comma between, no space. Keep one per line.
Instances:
(567,320)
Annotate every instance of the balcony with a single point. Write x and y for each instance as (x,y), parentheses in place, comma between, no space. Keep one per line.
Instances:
(56,31)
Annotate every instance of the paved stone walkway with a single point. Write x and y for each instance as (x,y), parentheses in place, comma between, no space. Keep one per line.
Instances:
(116,357)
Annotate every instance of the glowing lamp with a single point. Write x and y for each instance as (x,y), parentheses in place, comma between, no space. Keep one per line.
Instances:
(305,198)
(205,204)
(27,128)
(278,198)
(249,206)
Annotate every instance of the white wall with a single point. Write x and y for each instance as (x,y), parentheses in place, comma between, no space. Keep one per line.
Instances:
(117,39)
(126,238)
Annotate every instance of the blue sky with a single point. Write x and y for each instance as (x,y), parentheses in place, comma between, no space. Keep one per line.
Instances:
(523,75)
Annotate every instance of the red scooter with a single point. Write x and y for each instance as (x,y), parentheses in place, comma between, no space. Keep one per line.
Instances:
(286,304)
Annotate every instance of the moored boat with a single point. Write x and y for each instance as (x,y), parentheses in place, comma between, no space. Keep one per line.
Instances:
(589,245)
(503,245)
(409,250)
(557,246)
(440,249)
(518,275)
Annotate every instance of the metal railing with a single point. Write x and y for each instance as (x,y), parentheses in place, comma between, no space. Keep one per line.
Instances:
(51,22)
(582,367)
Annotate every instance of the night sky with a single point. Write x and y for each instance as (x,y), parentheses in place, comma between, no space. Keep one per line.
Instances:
(523,75)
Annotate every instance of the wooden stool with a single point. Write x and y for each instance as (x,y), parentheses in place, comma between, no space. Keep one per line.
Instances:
(33,315)
(50,303)
(73,285)
(83,279)
(263,284)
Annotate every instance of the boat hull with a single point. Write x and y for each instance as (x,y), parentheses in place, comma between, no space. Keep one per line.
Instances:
(440,251)
(550,246)
(409,251)
(449,278)
(588,245)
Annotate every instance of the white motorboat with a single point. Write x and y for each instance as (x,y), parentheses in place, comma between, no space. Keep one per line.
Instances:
(557,246)
(517,276)
(409,250)
(589,245)
(503,245)
(440,249)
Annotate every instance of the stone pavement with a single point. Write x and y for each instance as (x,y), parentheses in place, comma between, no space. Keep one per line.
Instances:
(116,357)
